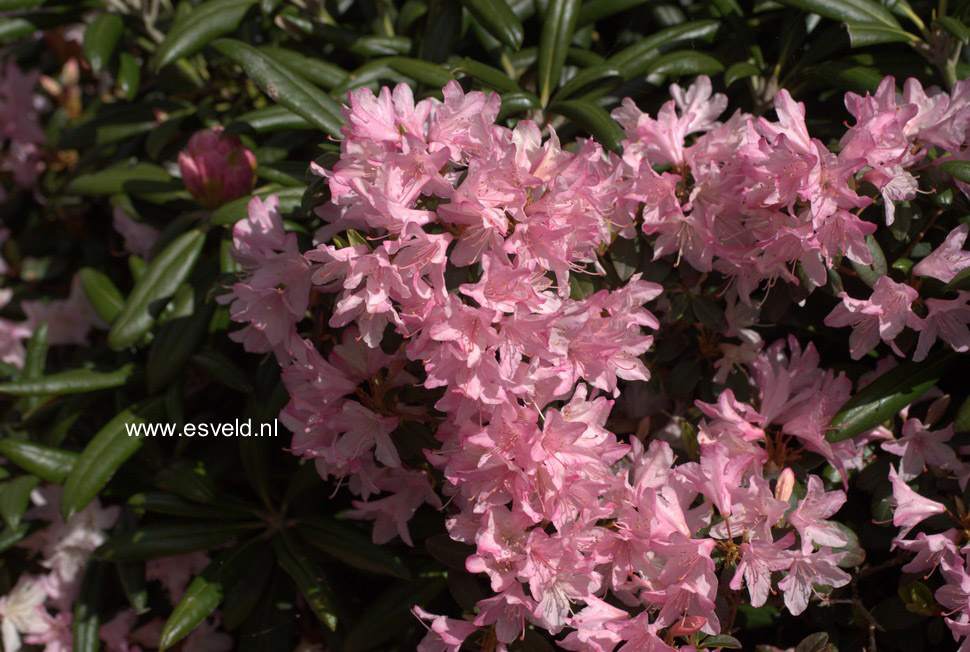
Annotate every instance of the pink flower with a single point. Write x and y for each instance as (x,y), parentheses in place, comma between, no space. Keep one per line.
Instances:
(947,260)
(947,319)
(807,570)
(69,321)
(920,447)
(759,559)
(445,634)
(12,335)
(139,237)
(808,516)
(911,508)
(930,549)
(882,316)
(174,573)
(216,167)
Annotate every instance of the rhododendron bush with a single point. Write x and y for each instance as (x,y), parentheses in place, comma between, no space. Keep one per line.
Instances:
(484,325)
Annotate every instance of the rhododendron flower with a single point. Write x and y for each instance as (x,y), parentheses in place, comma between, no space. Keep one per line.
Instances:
(920,447)
(69,321)
(882,316)
(139,237)
(808,516)
(948,320)
(216,167)
(445,634)
(22,612)
(947,260)
(808,569)
(911,508)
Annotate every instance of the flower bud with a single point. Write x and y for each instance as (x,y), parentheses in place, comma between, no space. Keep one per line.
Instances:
(785,484)
(216,167)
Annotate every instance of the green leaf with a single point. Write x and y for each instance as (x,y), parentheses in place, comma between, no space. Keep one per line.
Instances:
(87,608)
(35,361)
(441,31)
(237,209)
(686,62)
(954,27)
(174,346)
(858,11)
(129,75)
(17,27)
(557,32)
(351,547)
(635,60)
(73,381)
(584,78)
(285,87)
(961,422)
(865,34)
(740,70)
(51,464)
(10,538)
(308,576)
(959,170)
(487,75)
(171,538)
(721,641)
(515,103)
(818,642)
(223,508)
(596,10)
(165,273)
(209,589)
(223,369)
(207,22)
(593,119)
(320,72)
(887,395)
(105,453)
(103,295)
(269,628)
(131,576)
(273,118)
(15,497)
(500,21)
(240,604)
(139,179)
(100,40)
(425,72)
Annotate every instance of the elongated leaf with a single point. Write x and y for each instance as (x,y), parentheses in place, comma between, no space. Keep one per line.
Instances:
(74,381)
(129,76)
(487,75)
(10,537)
(209,589)
(635,60)
(138,179)
(170,539)
(223,369)
(686,62)
(240,604)
(51,464)
(269,627)
(285,87)
(594,10)
(351,547)
(308,577)
(557,32)
(500,21)
(223,508)
(423,71)
(887,395)
(15,497)
(865,34)
(593,119)
(959,282)
(442,30)
(16,27)
(859,11)
(102,294)
(166,272)
(87,608)
(131,576)
(274,118)
(35,361)
(515,103)
(100,40)
(174,346)
(585,77)
(959,170)
(740,70)
(105,453)
(207,22)
(322,73)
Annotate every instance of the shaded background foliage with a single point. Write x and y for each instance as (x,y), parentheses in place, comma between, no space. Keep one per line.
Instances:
(275,72)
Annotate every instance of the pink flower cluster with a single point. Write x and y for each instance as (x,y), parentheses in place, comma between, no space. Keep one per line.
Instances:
(39,610)
(472,233)
(22,136)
